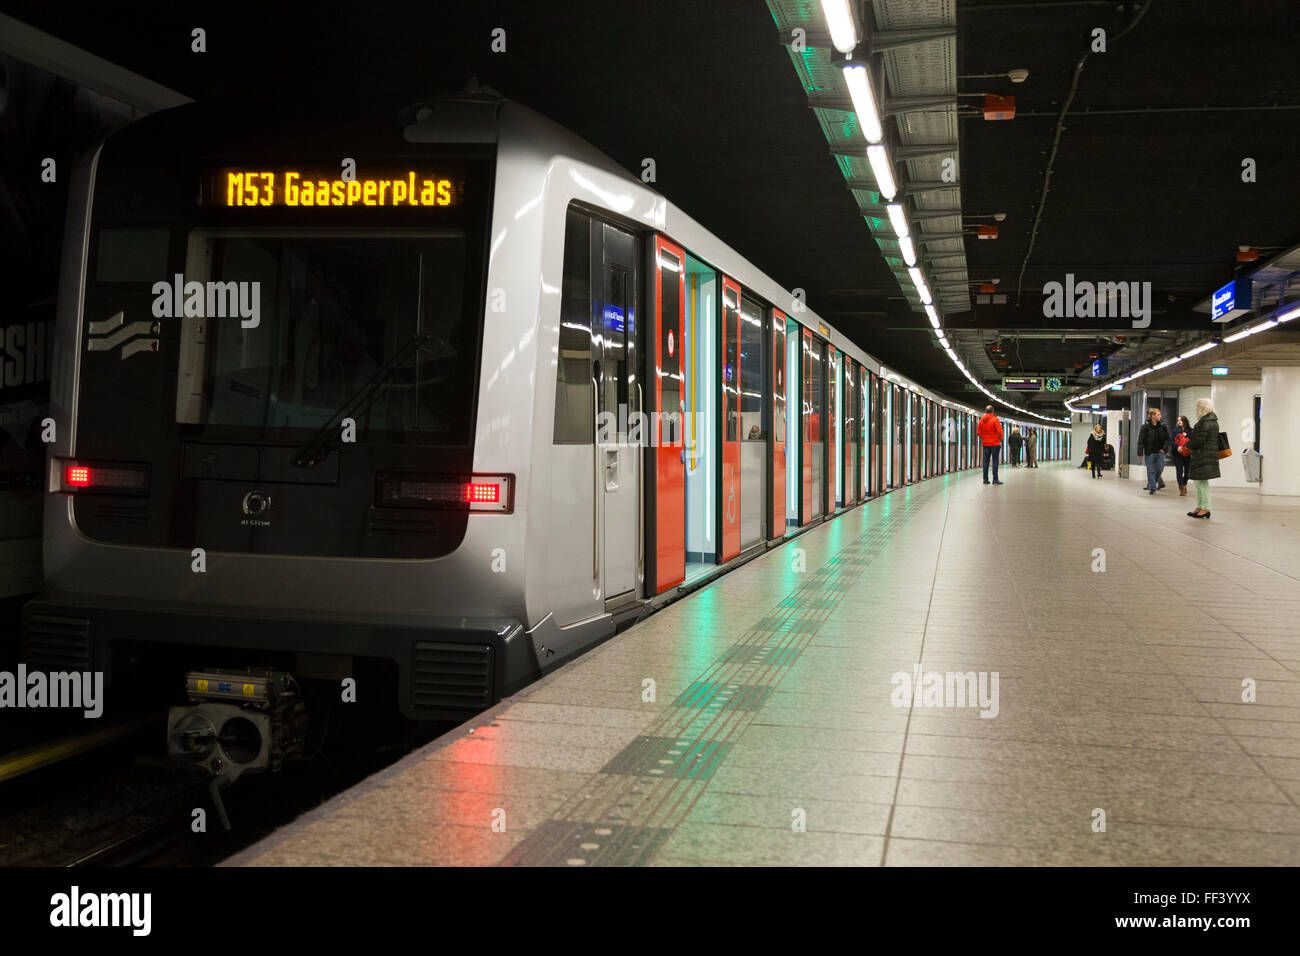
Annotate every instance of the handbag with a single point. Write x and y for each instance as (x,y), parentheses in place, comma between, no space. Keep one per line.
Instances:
(1224,449)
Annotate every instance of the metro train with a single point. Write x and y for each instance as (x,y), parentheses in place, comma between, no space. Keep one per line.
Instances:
(447,401)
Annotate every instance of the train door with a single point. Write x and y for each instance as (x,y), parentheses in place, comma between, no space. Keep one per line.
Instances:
(700,339)
(729,514)
(613,369)
(874,413)
(898,415)
(864,447)
(754,424)
(834,440)
(807,429)
(850,431)
(666,485)
(778,459)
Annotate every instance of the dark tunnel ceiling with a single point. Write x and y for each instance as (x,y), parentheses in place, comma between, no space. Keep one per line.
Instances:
(705,89)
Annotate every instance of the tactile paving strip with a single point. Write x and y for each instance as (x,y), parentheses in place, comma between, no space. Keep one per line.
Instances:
(649,787)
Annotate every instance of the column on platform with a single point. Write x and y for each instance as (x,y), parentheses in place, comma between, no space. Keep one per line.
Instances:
(1234,404)
(1278,443)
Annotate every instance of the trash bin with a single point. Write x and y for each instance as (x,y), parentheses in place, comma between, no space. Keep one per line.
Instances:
(1253,462)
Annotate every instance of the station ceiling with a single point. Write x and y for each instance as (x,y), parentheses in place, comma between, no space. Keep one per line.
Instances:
(1146,183)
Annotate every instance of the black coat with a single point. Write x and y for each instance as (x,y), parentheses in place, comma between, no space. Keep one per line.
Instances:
(1016,440)
(1152,438)
(1096,448)
(1204,444)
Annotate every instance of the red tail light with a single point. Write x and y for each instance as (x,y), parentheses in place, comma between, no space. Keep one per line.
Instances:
(490,493)
(124,478)
(482,493)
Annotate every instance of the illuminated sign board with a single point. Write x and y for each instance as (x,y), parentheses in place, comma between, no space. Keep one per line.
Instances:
(1219,370)
(307,187)
(614,319)
(1230,301)
(1100,367)
(1022,384)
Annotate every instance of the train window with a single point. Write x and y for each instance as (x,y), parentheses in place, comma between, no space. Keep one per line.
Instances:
(574,415)
(670,350)
(731,364)
(616,333)
(318,320)
(778,391)
(815,400)
(751,370)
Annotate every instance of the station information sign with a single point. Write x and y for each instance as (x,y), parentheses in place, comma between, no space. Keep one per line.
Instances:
(1022,383)
(1230,301)
(281,186)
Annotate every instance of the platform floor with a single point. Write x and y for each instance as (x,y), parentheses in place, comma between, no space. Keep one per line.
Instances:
(1120,735)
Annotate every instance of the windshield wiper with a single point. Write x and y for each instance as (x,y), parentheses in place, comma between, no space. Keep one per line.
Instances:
(318,447)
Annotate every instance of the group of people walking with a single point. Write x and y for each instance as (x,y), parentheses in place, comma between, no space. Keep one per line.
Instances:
(1194,448)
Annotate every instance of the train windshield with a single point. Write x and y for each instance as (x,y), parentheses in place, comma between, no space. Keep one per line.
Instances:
(296,325)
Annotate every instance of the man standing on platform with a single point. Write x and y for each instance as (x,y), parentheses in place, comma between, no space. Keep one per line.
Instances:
(1153,442)
(990,431)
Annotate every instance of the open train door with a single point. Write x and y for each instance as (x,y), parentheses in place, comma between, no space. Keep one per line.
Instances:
(665,469)
(778,424)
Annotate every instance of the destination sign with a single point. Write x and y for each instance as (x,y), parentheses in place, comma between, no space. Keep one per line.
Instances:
(1022,383)
(387,188)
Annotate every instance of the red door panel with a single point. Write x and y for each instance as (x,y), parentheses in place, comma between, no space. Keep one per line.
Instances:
(779,423)
(669,492)
(729,511)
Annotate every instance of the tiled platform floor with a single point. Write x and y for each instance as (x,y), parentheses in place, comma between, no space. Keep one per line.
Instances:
(1119,701)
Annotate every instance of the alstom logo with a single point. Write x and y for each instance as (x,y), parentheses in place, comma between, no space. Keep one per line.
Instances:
(109,334)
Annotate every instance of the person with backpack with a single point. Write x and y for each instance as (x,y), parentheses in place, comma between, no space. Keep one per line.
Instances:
(1203,461)
(1152,443)
(1181,433)
(990,431)
(1015,442)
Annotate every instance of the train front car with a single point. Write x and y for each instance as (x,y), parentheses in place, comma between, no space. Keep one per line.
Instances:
(286,456)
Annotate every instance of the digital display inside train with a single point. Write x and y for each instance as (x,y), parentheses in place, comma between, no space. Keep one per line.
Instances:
(319,188)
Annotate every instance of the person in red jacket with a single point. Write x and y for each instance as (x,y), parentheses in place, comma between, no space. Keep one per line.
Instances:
(990,431)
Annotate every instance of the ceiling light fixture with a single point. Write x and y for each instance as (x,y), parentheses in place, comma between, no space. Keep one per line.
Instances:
(909,251)
(839,20)
(864,101)
(882,170)
(897,219)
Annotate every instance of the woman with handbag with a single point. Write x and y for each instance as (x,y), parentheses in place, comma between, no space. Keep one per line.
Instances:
(1203,460)
(1182,432)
